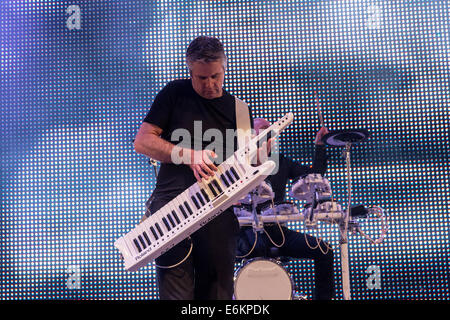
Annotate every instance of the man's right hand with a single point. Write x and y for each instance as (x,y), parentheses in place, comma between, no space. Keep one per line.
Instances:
(201,163)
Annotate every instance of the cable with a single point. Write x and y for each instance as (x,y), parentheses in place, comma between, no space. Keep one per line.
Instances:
(319,240)
(328,247)
(251,250)
(282,235)
(384,225)
(177,264)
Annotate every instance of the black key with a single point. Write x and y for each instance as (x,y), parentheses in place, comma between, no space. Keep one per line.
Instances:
(224,180)
(154,232)
(235,173)
(159,229)
(136,243)
(147,238)
(195,202)
(183,212)
(229,176)
(142,242)
(166,224)
(216,184)
(212,189)
(188,207)
(175,216)
(205,195)
(171,220)
(199,197)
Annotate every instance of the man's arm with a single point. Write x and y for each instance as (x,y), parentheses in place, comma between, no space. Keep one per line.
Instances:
(320,155)
(148,142)
(319,164)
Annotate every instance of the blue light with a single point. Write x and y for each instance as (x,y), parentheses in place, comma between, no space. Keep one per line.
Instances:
(72,101)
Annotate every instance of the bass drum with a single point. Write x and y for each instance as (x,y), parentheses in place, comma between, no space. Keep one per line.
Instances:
(263,279)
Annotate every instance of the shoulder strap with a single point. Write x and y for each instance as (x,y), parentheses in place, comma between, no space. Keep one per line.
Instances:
(242,122)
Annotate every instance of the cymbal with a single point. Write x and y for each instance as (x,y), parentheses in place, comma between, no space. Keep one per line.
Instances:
(340,138)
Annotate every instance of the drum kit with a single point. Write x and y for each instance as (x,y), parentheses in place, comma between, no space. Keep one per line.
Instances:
(266,278)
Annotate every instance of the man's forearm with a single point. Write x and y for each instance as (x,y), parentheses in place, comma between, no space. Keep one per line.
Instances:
(320,159)
(159,149)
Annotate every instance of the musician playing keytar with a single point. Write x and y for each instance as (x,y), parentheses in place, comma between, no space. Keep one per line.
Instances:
(295,245)
(202,265)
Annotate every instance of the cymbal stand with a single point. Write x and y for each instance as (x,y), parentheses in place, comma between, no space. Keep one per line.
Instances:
(343,240)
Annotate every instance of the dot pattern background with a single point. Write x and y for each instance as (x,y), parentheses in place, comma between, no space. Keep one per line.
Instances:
(72,102)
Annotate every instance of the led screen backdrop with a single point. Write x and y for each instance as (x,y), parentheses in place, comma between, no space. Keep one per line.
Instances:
(77,78)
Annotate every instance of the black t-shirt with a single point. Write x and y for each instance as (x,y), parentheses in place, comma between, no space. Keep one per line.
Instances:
(289,169)
(195,122)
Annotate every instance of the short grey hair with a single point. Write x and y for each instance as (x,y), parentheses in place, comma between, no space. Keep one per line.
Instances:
(205,49)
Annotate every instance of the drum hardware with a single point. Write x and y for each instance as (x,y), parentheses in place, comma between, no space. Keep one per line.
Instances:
(309,187)
(242,210)
(317,191)
(272,219)
(299,296)
(266,209)
(286,209)
(283,208)
(379,214)
(257,224)
(260,194)
(345,138)
(320,205)
(358,211)
(326,211)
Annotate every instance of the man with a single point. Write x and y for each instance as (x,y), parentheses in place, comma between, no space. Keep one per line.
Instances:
(295,245)
(206,272)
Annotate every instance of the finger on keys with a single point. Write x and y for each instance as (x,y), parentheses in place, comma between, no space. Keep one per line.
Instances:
(197,176)
(206,170)
(210,166)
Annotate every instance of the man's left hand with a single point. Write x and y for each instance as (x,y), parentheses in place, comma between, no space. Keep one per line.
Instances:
(323,131)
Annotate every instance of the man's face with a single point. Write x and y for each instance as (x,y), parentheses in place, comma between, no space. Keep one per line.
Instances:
(207,78)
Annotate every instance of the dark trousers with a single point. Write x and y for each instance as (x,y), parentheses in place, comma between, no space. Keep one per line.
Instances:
(207,274)
(295,246)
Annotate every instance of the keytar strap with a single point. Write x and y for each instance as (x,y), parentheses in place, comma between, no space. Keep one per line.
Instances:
(244,129)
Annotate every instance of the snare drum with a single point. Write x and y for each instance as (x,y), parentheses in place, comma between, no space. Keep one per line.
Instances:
(263,279)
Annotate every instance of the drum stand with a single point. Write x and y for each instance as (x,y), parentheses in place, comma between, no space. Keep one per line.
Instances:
(257,224)
(345,138)
(343,230)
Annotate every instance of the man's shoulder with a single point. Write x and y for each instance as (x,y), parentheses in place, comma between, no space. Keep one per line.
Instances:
(178,84)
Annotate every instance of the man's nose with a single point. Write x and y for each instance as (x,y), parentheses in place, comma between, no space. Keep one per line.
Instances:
(208,83)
